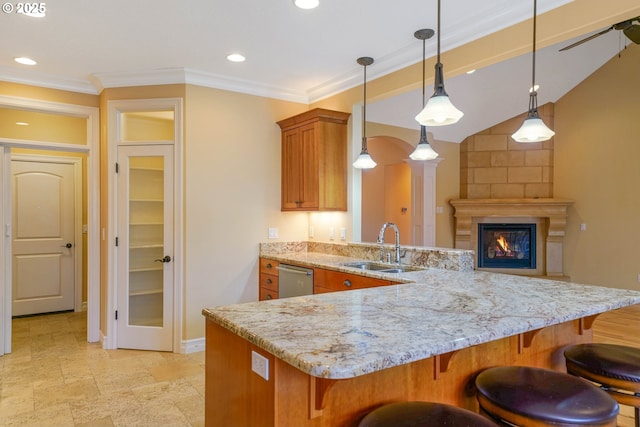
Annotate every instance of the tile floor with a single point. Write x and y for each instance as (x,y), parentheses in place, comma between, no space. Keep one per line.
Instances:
(54,377)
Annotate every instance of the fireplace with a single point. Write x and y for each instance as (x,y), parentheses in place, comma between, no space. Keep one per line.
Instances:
(548,215)
(506,245)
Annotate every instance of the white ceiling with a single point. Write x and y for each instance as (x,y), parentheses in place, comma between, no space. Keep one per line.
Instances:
(292,54)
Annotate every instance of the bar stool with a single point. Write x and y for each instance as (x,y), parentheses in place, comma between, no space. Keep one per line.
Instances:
(615,368)
(423,414)
(526,396)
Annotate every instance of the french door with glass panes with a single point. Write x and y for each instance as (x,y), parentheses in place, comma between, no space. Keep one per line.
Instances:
(145,247)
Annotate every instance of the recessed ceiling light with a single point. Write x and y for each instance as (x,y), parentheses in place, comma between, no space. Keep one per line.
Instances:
(236,57)
(306,4)
(25,61)
(22,123)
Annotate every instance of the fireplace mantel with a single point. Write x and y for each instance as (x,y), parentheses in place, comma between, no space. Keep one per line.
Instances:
(550,213)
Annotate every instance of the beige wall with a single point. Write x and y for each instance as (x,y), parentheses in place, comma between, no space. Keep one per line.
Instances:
(232,194)
(597,152)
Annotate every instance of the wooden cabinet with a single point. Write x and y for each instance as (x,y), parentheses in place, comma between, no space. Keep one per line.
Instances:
(323,280)
(268,279)
(333,281)
(314,161)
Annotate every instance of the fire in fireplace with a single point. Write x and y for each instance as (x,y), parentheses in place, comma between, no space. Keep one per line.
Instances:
(506,245)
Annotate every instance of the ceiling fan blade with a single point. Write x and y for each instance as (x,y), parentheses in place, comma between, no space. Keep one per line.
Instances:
(591,37)
(633,33)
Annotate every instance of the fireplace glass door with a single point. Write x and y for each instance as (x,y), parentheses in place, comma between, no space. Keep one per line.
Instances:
(506,246)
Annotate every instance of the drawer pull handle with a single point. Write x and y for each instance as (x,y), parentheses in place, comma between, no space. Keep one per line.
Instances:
(347,283)
(269,281)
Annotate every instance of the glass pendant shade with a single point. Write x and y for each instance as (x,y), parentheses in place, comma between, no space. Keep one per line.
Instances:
(364,161)
(423,150)
(533,130)
(439,111)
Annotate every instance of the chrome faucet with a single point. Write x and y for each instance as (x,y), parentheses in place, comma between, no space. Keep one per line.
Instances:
(381,241)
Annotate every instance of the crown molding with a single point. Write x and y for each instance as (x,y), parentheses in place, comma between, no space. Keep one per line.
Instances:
(32,78)
(195,77)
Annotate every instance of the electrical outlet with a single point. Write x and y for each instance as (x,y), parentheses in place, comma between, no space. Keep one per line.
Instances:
(331,234)
(343,233)
(311,231)
(273,233)
(583,227)
(260,365)
(638,278)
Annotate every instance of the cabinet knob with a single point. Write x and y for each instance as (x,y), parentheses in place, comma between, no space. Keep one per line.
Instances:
(269,296)
(269,265)
(347,283)
(269,281)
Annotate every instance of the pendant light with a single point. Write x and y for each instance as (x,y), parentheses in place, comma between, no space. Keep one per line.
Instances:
(423,150)
(364,160)
(439,110)
(533,129)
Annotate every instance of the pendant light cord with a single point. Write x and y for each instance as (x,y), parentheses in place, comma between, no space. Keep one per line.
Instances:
(364,107)
(438,31)
(533,66)
(423,68)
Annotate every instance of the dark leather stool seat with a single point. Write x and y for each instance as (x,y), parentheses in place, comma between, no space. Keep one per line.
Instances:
(526,396)
(423,414)
(616,368)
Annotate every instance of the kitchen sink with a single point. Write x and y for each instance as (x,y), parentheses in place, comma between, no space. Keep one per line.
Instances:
(382,268)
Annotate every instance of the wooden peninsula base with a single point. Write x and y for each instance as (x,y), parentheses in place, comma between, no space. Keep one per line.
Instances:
(236,396)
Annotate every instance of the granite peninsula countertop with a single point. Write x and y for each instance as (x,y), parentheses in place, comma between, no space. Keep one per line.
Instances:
(352,333)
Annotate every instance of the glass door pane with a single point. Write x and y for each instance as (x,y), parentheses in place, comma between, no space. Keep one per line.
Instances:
(146,240)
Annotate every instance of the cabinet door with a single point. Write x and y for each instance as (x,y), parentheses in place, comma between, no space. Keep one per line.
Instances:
(145,247)
(300,185)
(331,281)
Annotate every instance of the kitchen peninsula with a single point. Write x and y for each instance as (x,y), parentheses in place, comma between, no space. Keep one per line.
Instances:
(331,358)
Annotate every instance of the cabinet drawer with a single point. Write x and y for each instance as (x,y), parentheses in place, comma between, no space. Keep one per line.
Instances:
(269,281)
(269,266)
(339,281)
(267,294)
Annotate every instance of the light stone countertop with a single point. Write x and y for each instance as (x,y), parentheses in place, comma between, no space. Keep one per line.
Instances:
(347,334)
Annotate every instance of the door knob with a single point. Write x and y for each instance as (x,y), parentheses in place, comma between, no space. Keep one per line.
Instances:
(167,258)
(68,246)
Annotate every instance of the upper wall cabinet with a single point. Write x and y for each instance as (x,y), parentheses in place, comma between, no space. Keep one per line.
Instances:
(314,161)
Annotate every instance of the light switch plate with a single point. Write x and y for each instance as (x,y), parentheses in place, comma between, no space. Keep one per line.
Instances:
(273,233)
(260,365)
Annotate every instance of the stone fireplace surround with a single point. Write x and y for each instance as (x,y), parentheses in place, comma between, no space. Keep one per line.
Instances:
(549,215)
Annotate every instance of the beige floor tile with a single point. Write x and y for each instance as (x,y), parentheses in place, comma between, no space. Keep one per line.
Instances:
(64,393)
(168,391)
(58,416)
(174,370)
(53,377)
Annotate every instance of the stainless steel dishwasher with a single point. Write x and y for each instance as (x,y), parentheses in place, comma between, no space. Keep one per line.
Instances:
(294,281)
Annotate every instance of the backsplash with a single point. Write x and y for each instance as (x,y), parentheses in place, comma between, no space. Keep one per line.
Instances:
(442,258)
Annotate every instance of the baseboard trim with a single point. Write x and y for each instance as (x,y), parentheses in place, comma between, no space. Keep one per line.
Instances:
(192,346)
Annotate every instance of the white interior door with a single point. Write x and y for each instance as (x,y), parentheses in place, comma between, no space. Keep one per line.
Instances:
(43,232)
(145,247)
